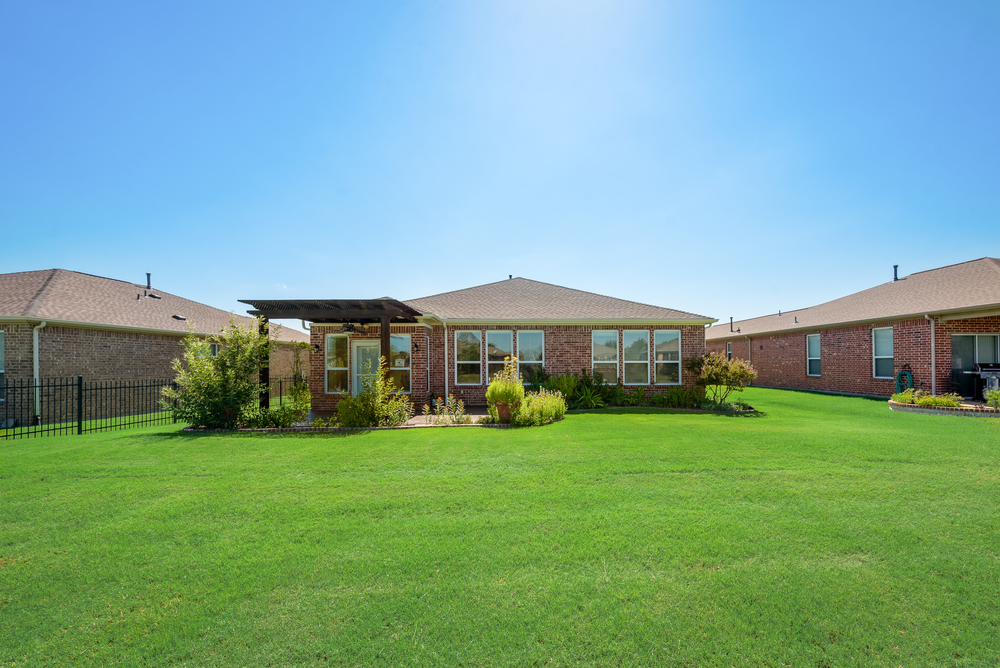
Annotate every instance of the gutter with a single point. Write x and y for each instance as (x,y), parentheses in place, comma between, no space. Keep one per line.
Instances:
(34,350)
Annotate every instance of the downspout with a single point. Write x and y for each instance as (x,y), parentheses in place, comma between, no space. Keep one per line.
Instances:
(306,327)
(748,349)
(445,321)
(34,342)
(933,357)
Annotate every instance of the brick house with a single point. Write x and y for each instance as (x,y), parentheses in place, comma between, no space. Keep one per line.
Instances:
(936,324)
(59,323)
(455,341)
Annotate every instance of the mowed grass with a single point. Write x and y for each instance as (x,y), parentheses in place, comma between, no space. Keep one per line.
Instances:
(829,532)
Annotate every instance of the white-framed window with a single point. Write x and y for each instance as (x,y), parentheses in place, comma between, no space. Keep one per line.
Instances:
(812,355)
(468,357)
(399,361)
(667,356)
(729,350)
(499,344)
(882,352)
(530,354)
(635,354)
(3,383)
(213,350)
(336,364)
(604,354)
(987,349)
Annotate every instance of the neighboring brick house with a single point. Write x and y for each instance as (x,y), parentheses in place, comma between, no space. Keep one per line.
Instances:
(453,342)
(103,328)
(936,324)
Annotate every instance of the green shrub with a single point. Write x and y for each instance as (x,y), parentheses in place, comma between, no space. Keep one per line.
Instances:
(924,398)
(637,397)
(616,396)
(678,397)
(378,404)
(588,397)
(992,398)
(720,376)
(540,408)
(658,401)
(566,384)
(952,400)
(219,392)
(506,388)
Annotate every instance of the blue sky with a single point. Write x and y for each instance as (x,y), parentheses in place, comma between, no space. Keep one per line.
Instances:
(728,159)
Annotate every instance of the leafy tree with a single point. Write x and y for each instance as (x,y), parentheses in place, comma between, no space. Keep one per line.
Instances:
(219,392)
(720,376)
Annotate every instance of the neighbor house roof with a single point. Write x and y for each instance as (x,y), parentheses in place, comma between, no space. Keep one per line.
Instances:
(70,297)
(967,287)
(521,299)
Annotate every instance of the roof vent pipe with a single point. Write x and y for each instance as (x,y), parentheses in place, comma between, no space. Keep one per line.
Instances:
(149,285)
(730,323)
(895,272)
(510,276)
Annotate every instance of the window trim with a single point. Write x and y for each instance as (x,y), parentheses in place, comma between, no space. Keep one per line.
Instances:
(409,356)
(882,357)
(517,354)
(617,362)
(213,350)
(327,367)
(513,355)
(626,362)
(680,358)
(478,332)
(729,351)
(820,357)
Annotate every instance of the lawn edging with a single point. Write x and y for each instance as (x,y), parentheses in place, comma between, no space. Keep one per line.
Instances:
(968,411)
(309,428)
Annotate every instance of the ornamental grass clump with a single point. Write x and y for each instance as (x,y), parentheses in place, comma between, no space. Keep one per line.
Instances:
(505,393)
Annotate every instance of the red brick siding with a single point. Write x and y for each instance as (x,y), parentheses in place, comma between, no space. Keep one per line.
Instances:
(567,348)
(846,355)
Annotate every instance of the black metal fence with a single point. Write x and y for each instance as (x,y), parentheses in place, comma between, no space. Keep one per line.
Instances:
(54,406)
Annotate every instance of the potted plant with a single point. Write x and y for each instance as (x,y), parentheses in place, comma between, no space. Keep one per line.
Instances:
(506,391)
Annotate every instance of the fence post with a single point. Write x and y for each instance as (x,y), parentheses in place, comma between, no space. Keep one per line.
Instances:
(79,404)
(174,385)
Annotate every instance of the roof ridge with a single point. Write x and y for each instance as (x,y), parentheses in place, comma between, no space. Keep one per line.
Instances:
(36,302)
(948,266)
(473,287)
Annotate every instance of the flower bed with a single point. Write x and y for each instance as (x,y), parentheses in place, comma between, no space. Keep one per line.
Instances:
(971,411)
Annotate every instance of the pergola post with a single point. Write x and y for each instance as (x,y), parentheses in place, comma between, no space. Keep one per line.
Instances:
(384,333)
(265,368)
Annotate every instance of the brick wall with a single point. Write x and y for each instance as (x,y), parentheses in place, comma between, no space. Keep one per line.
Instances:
(567,349)
(846,355)
(100,354)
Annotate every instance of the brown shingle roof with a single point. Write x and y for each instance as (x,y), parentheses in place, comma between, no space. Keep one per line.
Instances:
(69,296)
(958,287)
(521,299)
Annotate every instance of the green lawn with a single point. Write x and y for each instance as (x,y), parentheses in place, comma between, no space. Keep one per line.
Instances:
(829,532)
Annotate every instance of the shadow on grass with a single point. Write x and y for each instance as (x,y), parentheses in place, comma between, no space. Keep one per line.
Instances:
(254,434)
(662,411)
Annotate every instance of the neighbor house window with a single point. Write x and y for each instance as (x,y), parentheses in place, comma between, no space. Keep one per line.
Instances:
(812,354)
(667,356)
(3,385)
(468,358)
(498,346)
(213,350)
(635,350)
(729,350)
(604,354)
(336,363)
(399,361)
(530,355)
(882,352)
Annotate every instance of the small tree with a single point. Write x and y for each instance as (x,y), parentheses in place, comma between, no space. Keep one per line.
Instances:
(720,376)
(218,392)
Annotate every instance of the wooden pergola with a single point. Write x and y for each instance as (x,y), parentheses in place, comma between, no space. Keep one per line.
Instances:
(383,312)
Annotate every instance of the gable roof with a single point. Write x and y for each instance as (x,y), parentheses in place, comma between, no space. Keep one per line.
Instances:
(521,299)
(62,296)
(968,286)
